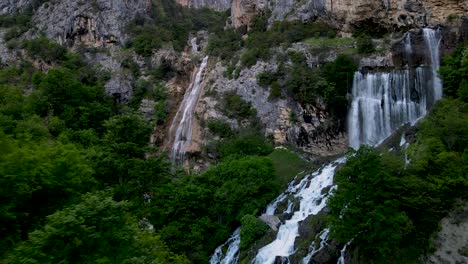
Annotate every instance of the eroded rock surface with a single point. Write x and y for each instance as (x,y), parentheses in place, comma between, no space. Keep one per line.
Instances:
(219,5)
(97,23)
(452,241)
(347,15)
(11,6)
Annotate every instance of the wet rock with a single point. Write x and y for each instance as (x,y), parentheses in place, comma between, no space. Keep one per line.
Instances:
(286,216)
(281,260)
(272,221)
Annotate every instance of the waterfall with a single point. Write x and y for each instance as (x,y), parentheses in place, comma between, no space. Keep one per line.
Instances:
(181,127)
(232,254)
(432,38)
(341,260)
(323,242)
(311,201)
(382,102)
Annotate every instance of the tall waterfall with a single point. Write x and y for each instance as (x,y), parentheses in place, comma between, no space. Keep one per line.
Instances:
(181,127)
(432,39)
(382,102)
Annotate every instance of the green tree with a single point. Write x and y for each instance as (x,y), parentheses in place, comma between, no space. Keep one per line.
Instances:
(365,207)
(37,178)
(454,72)
(96,230)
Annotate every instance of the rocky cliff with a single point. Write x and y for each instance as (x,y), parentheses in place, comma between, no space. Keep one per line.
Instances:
(92,23)
(347,15)
(218,5)
(11,6)
(285,121)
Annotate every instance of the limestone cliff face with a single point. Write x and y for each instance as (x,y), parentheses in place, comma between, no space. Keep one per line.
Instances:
(396,13)
(242,11)
(11,6)
(347,14)
(218,5)
(92,23)
(286,122)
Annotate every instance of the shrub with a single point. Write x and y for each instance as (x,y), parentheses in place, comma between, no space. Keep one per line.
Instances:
(246,143)
(235,107)
(249,57)
(266,78)
(252,229)
(365,45)
(145,44)
(42,48)
(224,45)
(454,69)
(220,128)
(275,90)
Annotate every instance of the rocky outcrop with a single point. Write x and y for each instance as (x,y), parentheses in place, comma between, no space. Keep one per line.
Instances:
(120,88)
(11,6)
(272,221)
(218,5)
(393,14)
(452,240)
(98,23)
(309,128)
(348,15)
(243,11)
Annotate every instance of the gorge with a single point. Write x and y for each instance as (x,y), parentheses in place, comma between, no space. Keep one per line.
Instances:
(233,131)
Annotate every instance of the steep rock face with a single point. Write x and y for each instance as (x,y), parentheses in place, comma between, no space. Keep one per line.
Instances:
(242,11)
(285,121)
(218,5)
(347,15)
(11,6)
(303,10)
(93,23)
(395,13)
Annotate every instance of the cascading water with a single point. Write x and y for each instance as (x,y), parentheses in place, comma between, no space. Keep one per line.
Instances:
(382,102)
(232,254)
(309,192)
(181,128)
(433,38)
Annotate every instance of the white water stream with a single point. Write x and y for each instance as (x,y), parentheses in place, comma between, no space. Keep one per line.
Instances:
(382,102)
(181,127)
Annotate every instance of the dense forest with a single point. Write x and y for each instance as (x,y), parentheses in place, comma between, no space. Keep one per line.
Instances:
(80,183)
